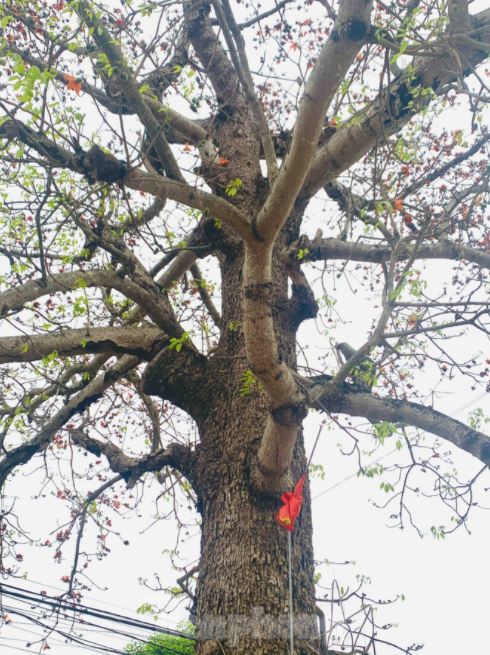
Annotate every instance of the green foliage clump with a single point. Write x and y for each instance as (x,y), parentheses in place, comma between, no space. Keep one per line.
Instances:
(164,644)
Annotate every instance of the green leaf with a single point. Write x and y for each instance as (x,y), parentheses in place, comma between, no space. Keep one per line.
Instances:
(233,186)
(34,72)
(249,381)
(176,344)
(403,47)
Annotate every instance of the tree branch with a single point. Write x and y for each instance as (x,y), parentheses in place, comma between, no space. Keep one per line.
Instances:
(143,342)
(238,55)
(14,299)
(330,249)
(97,165)
(190,130)
(132,93)
(208,203)
(211,54)
(83,516)
(76,405)
(287,402)
(402,411)
(204,294)
(362,133)
(459,16)
(179,457)
(148,298)
(347,37)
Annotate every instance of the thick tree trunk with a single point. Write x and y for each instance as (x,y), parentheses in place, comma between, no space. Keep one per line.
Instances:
(244,564)
(243,598)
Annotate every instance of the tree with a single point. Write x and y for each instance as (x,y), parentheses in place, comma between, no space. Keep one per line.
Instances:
(162,645)
(140,143)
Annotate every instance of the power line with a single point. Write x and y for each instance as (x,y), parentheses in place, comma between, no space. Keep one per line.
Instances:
(32,596)
(58,605)
(23,650)
(67,614)
(70,637)
(81,642)
(92,598)
(124,636)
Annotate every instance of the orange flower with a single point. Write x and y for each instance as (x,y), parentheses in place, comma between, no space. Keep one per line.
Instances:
(223,161)
(73,84)
(187,147)
(289,512)
(398,205)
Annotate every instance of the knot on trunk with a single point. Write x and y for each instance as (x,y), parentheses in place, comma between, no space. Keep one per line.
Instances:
(302,306)
(98,165)
(258,292)
(356,29)
(221,236)
(290,414)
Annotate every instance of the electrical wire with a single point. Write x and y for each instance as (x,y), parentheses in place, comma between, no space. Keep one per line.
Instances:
(93,598)
(68,614)
(30,596)
(76,610)
(83,642)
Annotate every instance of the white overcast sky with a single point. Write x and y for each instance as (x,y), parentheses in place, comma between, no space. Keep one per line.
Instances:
(445,582)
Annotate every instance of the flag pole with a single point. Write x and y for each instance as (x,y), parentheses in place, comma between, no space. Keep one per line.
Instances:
(290,565)
(291,624)
(286,516)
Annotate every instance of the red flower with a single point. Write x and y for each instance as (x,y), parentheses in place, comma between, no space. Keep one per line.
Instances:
(73,83)
(398,205)
(289,512)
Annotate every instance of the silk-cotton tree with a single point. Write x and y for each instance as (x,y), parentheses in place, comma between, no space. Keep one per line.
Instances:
(190,192)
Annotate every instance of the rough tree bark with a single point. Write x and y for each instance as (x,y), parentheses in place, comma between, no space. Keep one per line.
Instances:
(251,446)
(243,570)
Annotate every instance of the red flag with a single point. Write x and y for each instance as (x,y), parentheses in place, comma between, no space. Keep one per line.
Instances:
(289,512)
